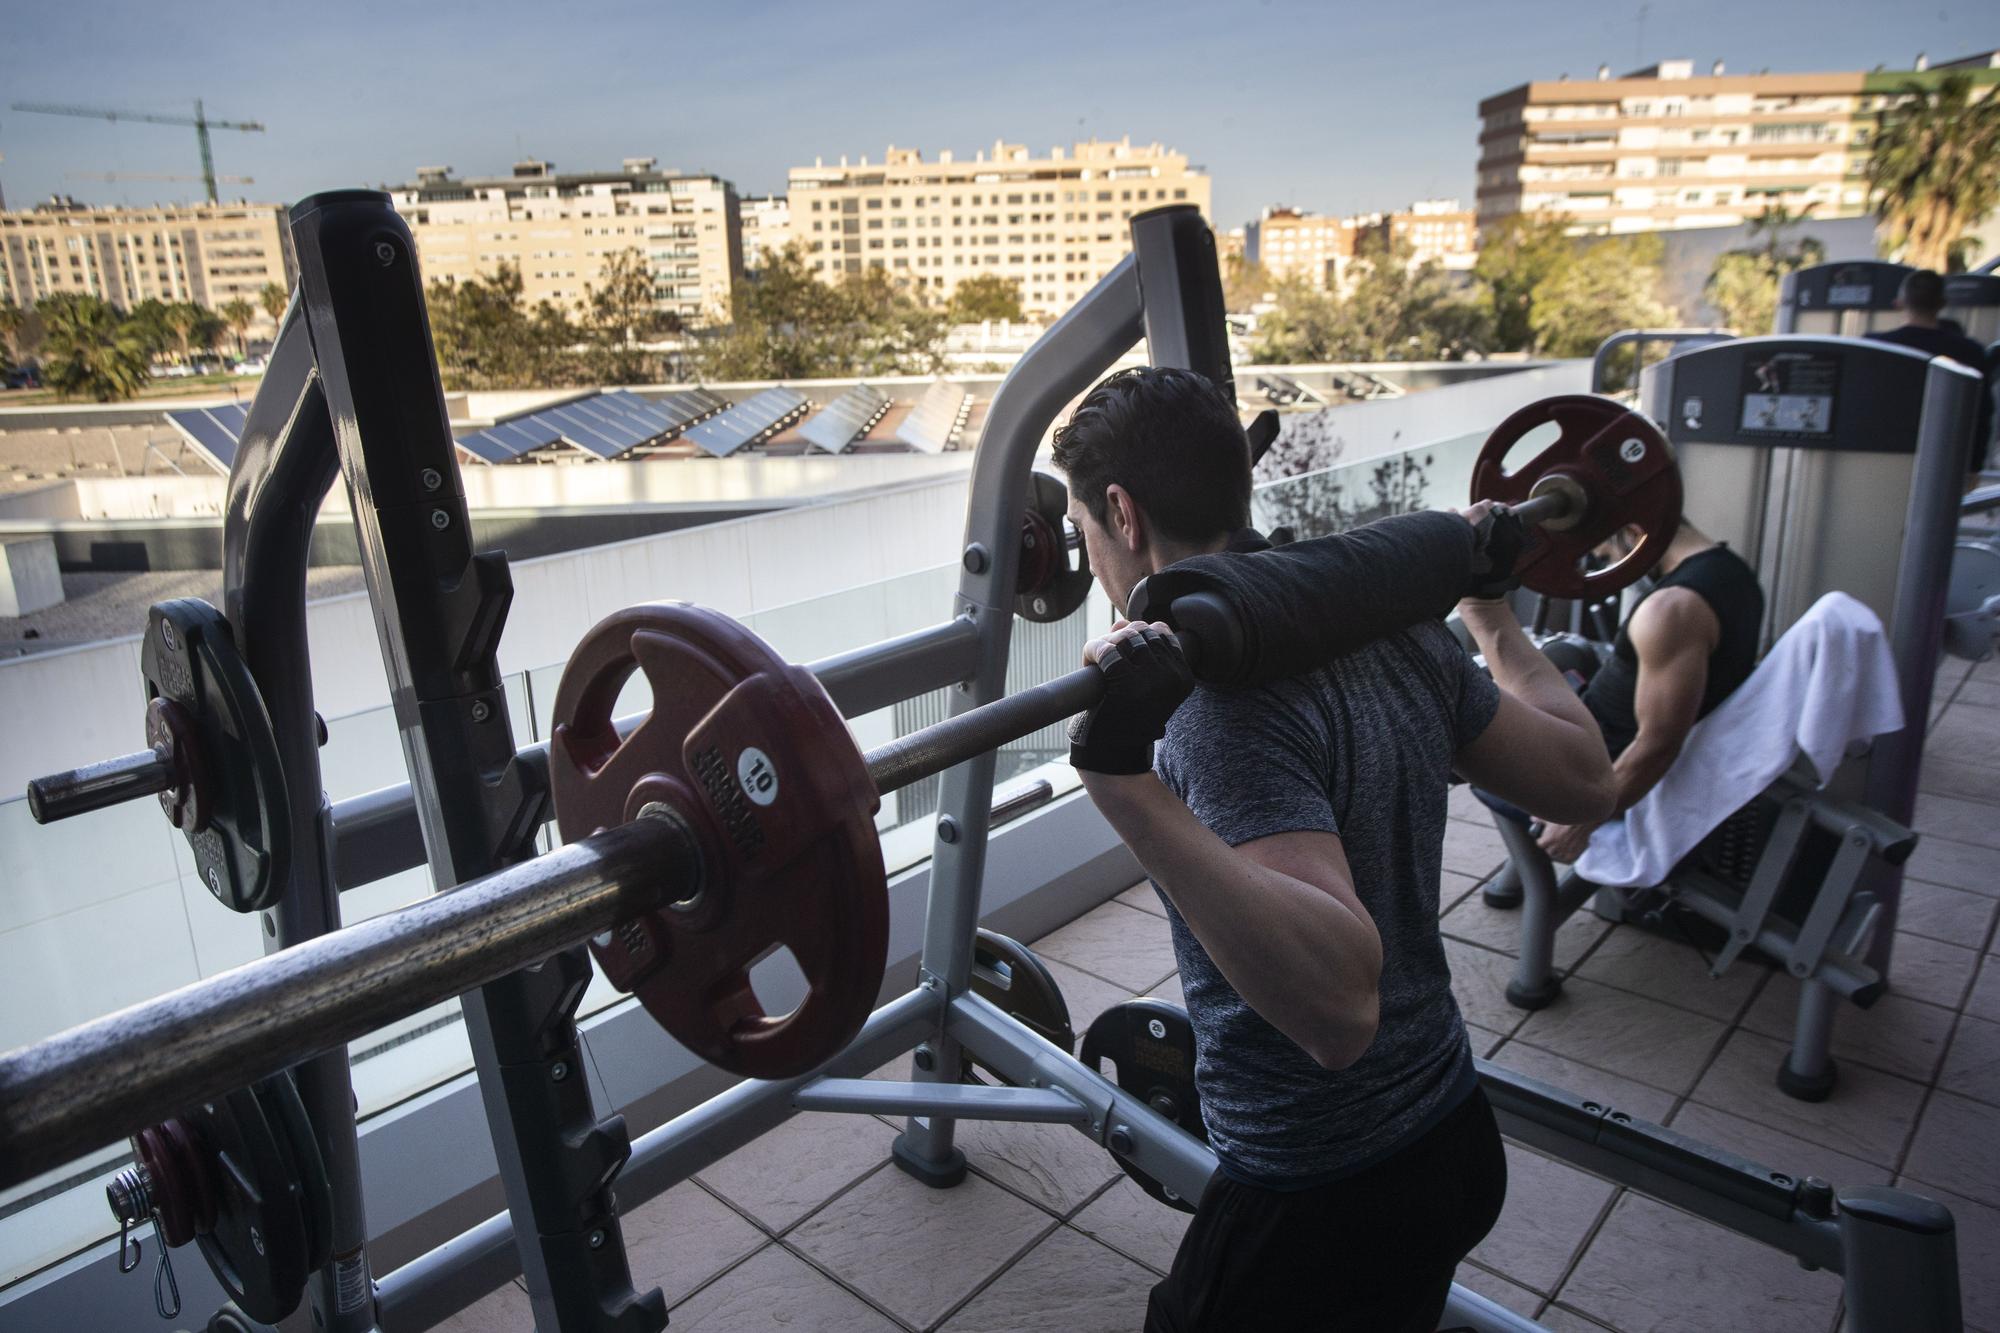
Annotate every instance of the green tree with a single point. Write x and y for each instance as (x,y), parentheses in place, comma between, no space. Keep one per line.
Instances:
(274,298)
(1518,255)
(619,315)
(1934,171)
(239,315)
(194,327)
(151,319)
(985,296)
(1612,284)
(1743,284)
(12,320)
(787,324)
(1393,311)
(91,352)
(486,337)
(1244,284)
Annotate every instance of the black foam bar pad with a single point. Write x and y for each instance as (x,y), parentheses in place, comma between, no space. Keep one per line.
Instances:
(1301,605)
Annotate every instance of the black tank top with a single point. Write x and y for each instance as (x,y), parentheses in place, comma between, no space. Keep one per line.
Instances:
(1719,577)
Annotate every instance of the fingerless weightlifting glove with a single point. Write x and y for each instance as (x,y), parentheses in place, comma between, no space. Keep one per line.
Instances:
(1498,538)
(1145,680)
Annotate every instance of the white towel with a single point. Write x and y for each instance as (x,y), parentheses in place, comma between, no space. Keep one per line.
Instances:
(1826,684)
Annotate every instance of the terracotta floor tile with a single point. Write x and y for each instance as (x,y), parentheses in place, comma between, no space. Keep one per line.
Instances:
(919,1252)
(1453,889)
(1482,1040)
(1965,778)
(683,1238)
(1944,913)
(503,1310)
(1170,992)
(1648,1103)
(775,1290)
(1901,1035)
(1665,969)
(1130,1221)
(1869,1115)
(1775,1149)
(1624,1033)
(1054,1165)
(1955,817)
(1144,897)
(1652,1267)
(1121,944)
(1972,1065)
(1476,923)
(1984,1001)
(1479,981)
(1958,864)
(1067,1282)
(1556,1319)
(793,1169)
(1931,970)
(1956,1142)
(1087,996)
(1550,1210)
(1473,849)
(1510,1295)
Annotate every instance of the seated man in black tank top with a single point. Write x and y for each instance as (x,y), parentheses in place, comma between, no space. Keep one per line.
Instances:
(1686,646)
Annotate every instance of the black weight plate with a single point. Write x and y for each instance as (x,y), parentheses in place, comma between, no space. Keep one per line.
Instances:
(258,1246)
(1152,1043)
(1068,587)
(243,854)
(287,1111)
(1008,975)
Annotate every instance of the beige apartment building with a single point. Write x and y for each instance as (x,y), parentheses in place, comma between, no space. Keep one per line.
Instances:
(1661,148)
(209,254)
(1294,244)
(767,229)
(558,228)
(1054,224)
(1438,231)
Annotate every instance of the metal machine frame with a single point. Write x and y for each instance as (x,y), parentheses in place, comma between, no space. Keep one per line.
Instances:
(354,381)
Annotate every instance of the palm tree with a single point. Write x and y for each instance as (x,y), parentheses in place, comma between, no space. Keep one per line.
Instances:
(12,317)
(274,299)
(239,315)
(91,352)
(1935,169)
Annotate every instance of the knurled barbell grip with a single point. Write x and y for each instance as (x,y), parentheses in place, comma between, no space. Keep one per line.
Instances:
(105,783)
(1550,505)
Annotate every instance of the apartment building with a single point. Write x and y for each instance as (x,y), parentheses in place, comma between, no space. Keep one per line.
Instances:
(209,254)
(558,228)
(1054,225)
(1438,231)
(1290,243)
(767,229)
(1662,148)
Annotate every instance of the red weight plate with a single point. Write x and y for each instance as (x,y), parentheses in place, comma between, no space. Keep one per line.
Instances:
(753,756)
(1626,471)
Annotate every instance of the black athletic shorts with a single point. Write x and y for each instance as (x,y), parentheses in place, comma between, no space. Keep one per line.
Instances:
(1374,1252)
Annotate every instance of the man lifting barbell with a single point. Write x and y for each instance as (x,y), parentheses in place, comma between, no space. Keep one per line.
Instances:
(1295,831)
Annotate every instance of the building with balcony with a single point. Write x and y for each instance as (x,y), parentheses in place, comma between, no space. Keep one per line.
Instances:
(767,229)
(558,228)
(1292,243)
(1052,225)
(208,254)
(1662,148)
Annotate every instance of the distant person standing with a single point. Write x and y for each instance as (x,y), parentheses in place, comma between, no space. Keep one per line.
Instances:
(1921,300)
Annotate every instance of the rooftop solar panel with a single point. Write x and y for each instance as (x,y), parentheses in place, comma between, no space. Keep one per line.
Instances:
(585,433)
(215,440)
(938,416)
(487,449)
(756,418)
(845,419)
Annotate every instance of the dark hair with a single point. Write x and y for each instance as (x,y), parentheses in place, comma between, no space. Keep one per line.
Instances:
(1171,438)
(1923,292)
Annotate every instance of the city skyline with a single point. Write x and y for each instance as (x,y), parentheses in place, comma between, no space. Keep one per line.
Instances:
(1329,111)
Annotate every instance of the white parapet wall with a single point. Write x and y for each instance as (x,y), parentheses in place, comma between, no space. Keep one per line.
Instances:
(29,579)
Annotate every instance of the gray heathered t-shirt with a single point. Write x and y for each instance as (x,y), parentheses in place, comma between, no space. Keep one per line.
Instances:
(1361,748)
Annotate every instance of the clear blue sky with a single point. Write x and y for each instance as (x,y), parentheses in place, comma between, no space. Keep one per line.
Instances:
(1333,107)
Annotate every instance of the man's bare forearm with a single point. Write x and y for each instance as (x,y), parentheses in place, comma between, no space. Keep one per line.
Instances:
(1519,667)
(1296,954)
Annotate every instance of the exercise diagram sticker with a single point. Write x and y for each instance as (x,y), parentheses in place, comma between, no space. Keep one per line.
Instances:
(758,776)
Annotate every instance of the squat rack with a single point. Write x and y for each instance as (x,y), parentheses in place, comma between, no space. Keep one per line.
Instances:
(354,386)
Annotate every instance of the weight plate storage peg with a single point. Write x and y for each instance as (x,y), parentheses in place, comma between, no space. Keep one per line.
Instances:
(1047,587)
(1009,975)
(1614,468)
(751,756)
(229,798)
(1152,1044)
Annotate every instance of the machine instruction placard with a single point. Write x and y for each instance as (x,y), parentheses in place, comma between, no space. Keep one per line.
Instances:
(1789,394)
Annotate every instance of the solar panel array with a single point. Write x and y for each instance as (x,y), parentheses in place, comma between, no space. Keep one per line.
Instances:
(609,425)
(938,418)
(846,419)
(213,431)
(755,419)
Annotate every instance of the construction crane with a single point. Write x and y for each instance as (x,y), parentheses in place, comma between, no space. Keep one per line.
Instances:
(202,125)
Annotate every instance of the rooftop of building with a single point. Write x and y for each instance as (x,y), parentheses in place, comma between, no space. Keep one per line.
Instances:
(1682,76)
(1082,153)
(538,172)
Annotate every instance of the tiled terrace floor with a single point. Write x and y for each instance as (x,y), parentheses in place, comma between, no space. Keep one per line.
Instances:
(810,1228)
